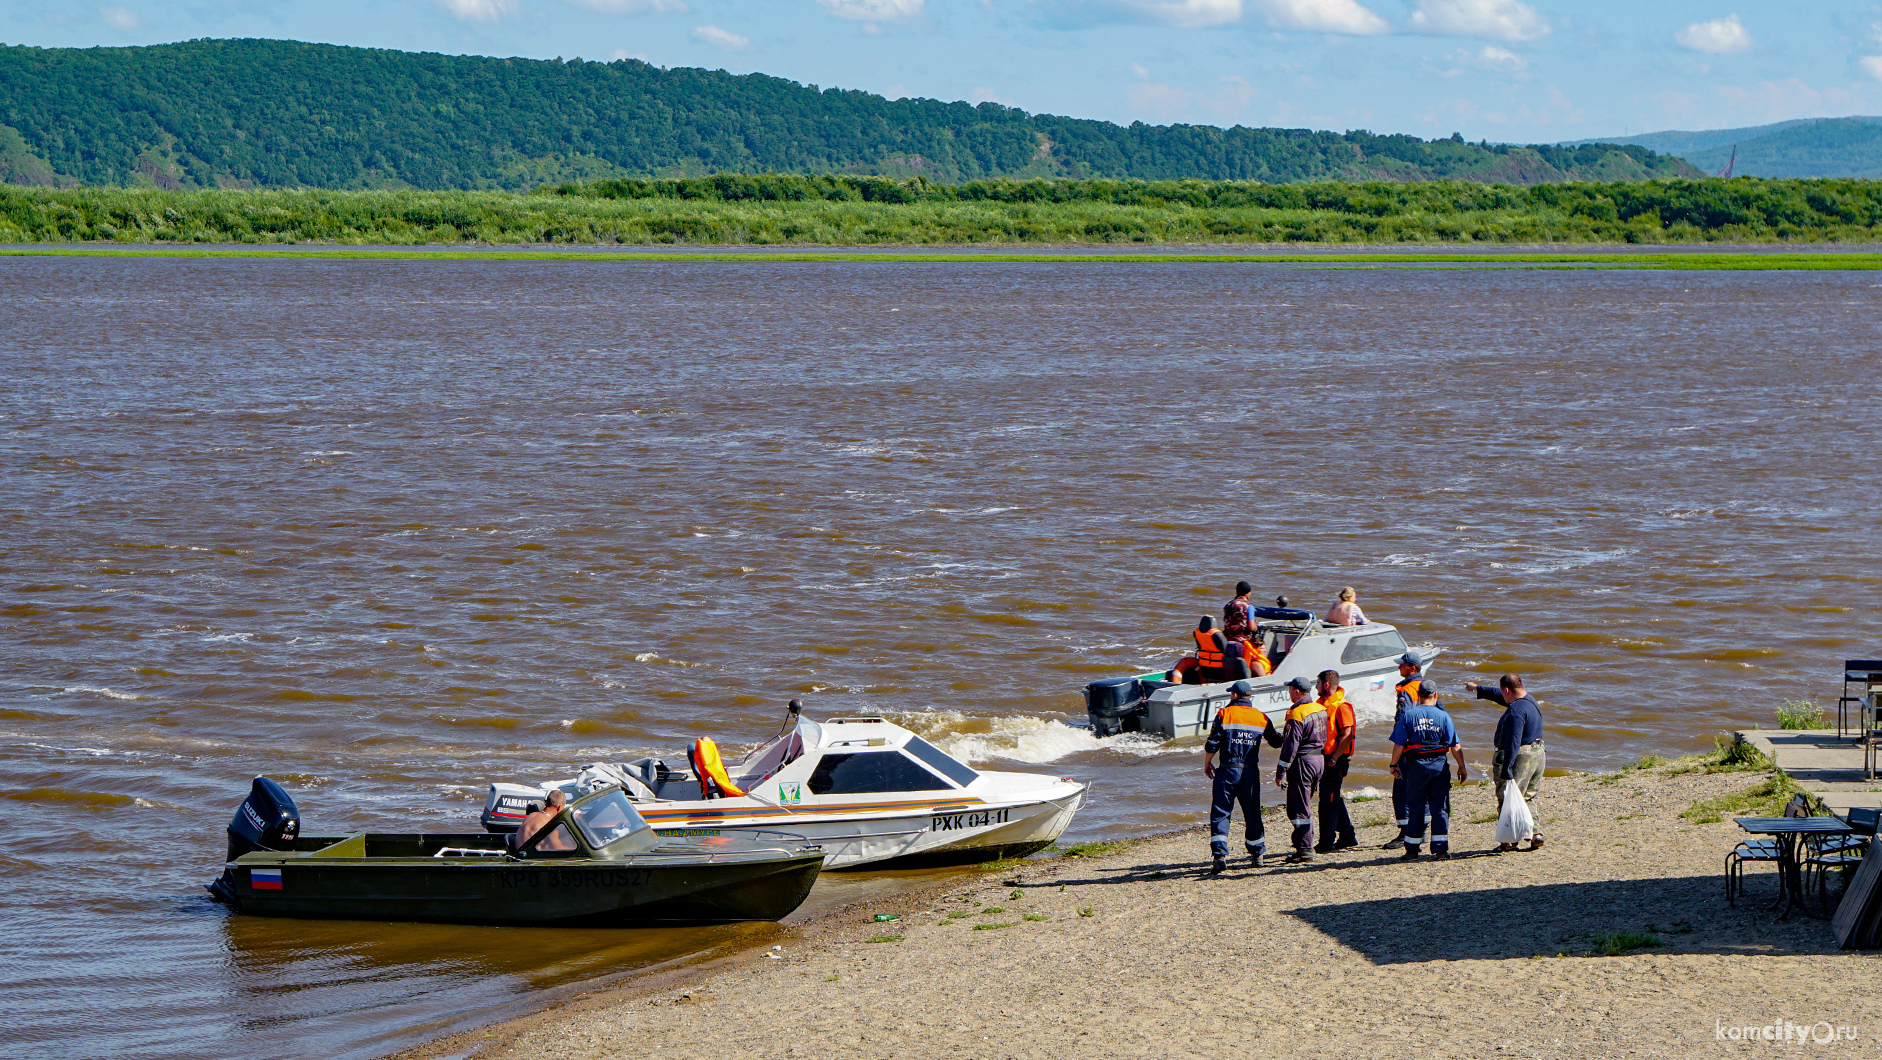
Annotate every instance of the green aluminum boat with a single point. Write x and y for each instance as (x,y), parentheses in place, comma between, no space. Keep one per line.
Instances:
(612,870)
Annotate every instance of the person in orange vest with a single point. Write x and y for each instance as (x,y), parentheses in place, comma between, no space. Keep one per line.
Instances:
(1336,824)
(1211,651)
(1405,695)
(1302,761)
(1236,735)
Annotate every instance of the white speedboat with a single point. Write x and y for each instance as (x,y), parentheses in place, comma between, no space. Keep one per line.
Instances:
(865,789)
(1300,645)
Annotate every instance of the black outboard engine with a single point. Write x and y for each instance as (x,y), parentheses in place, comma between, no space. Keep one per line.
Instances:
(1116,705)
(266,820)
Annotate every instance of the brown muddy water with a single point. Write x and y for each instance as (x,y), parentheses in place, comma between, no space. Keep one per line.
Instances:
(387,530)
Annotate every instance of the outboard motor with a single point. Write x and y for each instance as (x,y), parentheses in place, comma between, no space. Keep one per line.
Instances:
(1116,705)
(266,820)
(507,805)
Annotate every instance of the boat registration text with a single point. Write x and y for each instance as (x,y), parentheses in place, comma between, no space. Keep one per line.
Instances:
(954,822)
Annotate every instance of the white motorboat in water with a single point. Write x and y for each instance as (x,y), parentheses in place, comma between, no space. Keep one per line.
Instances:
(1299,644)
(865,789)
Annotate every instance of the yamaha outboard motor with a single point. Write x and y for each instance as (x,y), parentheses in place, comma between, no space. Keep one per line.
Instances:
(1116,705)
(266,820)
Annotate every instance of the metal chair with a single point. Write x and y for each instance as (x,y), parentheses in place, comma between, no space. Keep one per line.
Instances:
(1866,673)
(1828,852)
(1758,850)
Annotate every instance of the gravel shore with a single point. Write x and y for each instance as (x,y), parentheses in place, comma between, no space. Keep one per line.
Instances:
(1138,954)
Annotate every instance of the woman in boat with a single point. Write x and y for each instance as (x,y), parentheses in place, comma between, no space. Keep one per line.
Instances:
(1347,612)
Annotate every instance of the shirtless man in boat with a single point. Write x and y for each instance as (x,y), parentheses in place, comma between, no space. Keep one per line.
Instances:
(539,820)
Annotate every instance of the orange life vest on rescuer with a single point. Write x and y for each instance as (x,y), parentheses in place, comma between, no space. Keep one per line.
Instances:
(1340,723)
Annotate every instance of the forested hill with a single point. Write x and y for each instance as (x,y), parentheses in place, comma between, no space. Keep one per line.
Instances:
(261,113)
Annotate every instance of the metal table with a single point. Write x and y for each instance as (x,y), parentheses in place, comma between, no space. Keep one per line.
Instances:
(1790,833)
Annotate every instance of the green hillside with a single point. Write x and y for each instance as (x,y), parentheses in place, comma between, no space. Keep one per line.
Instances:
(259,113)
(1810,147)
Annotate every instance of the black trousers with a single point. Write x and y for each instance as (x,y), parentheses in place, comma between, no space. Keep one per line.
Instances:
(1336,825)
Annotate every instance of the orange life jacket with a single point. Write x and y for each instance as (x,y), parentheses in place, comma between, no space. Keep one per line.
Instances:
(1258,660)
(1208,655)
(1340,723)
(1410,687)
(711,771)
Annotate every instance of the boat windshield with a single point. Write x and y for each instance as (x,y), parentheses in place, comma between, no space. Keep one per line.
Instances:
(606,818)
(1372,646)
(940,761)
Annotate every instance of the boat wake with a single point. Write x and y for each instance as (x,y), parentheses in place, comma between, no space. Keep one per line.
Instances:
(1021,738)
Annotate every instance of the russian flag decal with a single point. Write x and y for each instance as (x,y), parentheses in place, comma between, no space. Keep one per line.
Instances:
(265,879)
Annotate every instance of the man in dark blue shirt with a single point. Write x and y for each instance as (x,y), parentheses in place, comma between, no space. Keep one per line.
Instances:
(1421,738)
(1519,753)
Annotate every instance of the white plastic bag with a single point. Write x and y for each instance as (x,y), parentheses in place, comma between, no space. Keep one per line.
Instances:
(1514,825)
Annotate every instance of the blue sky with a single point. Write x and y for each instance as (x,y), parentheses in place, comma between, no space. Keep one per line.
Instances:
(1510,70)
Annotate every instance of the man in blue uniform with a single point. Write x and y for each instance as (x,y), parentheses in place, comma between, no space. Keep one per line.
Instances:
(1303,759)
(1236,735)
(1421,738)
(1410,679)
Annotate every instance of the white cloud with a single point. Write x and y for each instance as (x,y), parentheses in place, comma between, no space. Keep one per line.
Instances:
(1721,36)
(1324,16)
(872,10)
(1501,60)
(1510,20)
(721,38)
(1188,14)
(120,19)
(1314,16)
(479,10)
(1871,65)
(1140,72)
(634,7)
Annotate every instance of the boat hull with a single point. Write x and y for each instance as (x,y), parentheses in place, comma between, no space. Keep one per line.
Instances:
(636,891)
(929,833)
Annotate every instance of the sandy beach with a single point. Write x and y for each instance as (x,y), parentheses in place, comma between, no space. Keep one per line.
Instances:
(1138,954)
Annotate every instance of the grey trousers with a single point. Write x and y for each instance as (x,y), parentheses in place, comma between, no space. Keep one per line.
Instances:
(1531,760)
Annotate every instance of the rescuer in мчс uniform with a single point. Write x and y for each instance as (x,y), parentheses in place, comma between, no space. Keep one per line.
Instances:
(1302,761)
(1406,693)
(1421,738)
(1236,735)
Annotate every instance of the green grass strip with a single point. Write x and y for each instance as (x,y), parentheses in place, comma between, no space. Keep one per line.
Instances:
(1749,262)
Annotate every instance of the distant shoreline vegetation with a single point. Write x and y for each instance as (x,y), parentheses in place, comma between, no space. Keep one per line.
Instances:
(844,210)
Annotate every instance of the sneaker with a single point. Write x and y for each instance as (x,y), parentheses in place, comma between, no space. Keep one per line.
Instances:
(1322,848)
(1346,844)
(1397,842)
(1218,866)
(1411,853)
(1301,855)
(1441,855)
(1255,860)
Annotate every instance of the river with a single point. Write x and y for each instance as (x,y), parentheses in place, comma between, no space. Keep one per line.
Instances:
(388,530)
